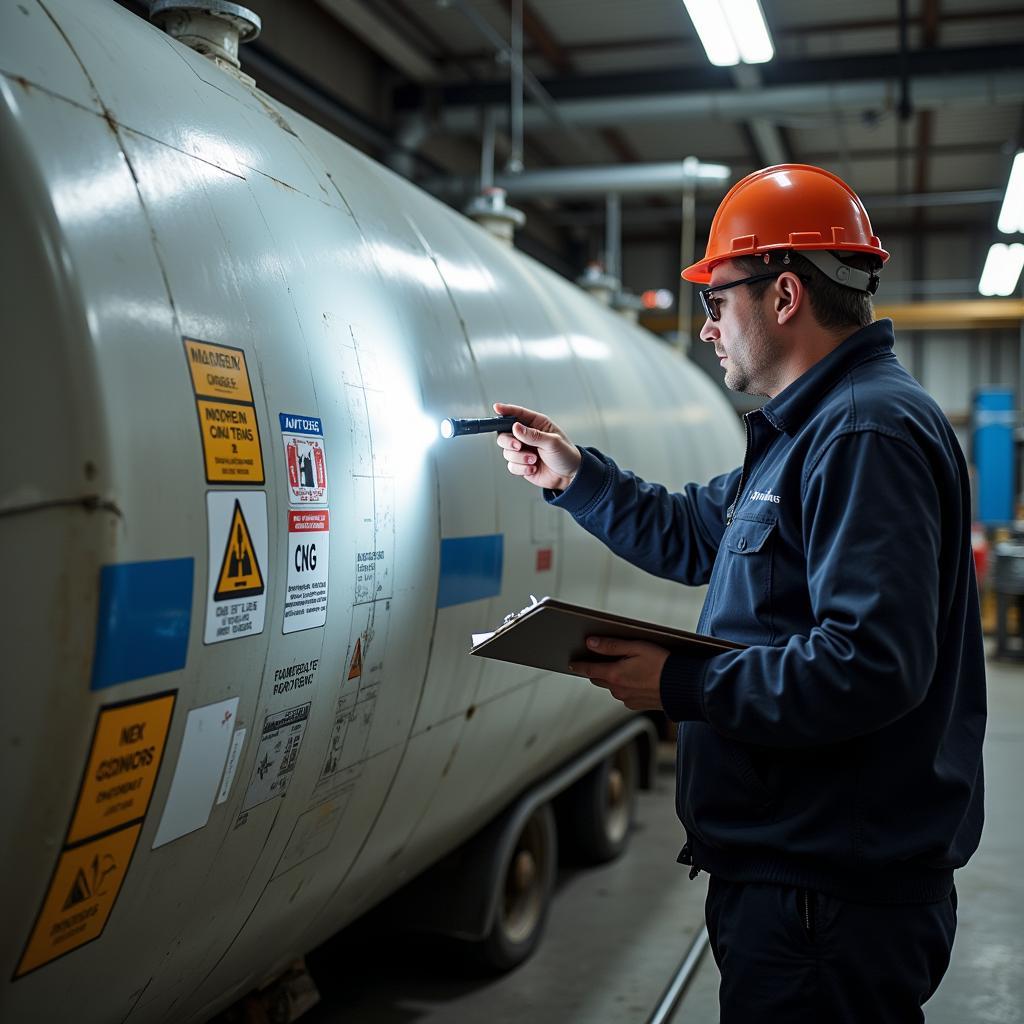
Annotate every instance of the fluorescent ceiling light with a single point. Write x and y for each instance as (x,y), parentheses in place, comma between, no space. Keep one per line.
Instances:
(731,31)
(709,20)
(1002,269)
(1011,216)
(746,19)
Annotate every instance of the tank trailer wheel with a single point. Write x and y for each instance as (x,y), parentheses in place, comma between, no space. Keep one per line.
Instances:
(526,881)
(599,809)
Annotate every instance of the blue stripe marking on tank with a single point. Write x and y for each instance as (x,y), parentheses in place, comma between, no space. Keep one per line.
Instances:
(143,624)
(470,568)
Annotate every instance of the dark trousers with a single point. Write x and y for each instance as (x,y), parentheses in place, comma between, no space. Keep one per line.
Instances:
(790,956)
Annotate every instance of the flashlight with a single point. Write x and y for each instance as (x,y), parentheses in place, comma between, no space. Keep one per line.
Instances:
(496,424)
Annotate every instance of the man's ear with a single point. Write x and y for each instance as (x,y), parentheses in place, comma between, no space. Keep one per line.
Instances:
(790,296)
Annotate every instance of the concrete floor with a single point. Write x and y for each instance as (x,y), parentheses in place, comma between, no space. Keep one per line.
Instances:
(616,933)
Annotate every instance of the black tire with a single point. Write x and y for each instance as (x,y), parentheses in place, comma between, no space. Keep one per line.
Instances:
(600,808)
(525,882)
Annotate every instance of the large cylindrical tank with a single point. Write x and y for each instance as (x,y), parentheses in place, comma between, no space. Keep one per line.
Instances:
(227,339)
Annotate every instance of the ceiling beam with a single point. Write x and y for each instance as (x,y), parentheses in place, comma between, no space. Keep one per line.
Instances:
(380,35)
(649,44)
(834,72)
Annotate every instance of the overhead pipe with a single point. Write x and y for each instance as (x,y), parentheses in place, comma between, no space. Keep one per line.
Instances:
(687,256)
(931,92)
(642,216)
(613,236)
(624,179)
(546,109)
(516,157)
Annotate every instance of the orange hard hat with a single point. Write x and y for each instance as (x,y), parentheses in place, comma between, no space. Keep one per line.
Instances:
(794,207)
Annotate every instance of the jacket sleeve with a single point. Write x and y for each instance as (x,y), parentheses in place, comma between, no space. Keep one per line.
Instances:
(675,536)
(872,537)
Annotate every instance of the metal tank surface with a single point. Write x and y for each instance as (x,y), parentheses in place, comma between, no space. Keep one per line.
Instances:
(240,570)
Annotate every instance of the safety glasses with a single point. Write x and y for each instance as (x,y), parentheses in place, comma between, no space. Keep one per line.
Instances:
(709,300)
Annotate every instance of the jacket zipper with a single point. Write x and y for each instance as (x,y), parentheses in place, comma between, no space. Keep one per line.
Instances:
(806,906)
(743,472)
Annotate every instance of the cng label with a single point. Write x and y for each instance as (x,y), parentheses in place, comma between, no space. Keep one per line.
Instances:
(237,552)
(227,416)
(305,459)
(309,537)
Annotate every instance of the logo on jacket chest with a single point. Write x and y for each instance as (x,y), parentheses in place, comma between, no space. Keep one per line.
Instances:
(763,496)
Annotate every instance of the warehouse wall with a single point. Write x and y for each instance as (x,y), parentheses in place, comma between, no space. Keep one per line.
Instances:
(951,365)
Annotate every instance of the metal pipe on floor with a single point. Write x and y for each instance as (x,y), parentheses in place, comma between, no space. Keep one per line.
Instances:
(673,995)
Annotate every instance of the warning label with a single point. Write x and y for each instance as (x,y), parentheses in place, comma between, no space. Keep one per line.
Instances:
(237,550)
(305,459)
(355,669)
(120,773)
(240,574)
(277,755)
(218,371)
(80,898)
(127,748)
(227,416)
(309,537)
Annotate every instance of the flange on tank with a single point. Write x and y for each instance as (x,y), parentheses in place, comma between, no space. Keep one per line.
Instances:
(214,28)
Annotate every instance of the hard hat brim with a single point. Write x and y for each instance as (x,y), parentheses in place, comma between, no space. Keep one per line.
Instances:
(700,272)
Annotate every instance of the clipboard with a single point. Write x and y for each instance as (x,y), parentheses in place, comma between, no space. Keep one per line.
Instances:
(551,633)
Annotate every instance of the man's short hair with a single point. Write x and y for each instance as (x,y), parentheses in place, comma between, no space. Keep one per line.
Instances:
(833,305)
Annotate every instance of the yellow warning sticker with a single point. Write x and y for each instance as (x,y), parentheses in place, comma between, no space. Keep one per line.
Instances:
(231,442)
(356,668)
(127,748)
(80,898)
(230,433)
(218,371)
(237,580)
(240,574)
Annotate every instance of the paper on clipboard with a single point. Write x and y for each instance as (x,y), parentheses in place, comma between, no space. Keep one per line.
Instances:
(549,634)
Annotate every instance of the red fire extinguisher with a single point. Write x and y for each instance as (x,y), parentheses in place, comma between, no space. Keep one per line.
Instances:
(293,465)
(321,470)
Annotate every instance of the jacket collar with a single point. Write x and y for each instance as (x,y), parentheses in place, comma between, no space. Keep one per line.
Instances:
(788,410)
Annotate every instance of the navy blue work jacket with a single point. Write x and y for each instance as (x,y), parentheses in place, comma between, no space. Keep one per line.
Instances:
(841,750)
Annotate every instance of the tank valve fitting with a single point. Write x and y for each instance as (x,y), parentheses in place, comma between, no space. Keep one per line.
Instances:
(214,28)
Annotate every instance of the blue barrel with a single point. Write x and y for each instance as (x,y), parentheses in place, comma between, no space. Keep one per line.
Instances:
(995,417)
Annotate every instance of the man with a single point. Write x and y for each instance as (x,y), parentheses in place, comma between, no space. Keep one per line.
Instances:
(829,774)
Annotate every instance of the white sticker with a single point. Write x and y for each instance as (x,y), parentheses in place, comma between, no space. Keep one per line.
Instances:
(313,831)
(231,767)
(200,764)
(236,591)
(278,752)
(305,604)
(305,459)
(344,714)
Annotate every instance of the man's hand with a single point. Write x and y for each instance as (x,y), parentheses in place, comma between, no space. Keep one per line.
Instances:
(634,679)
(538,451)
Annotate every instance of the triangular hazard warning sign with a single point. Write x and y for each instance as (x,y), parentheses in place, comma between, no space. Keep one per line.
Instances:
(79,891)
(240,573)
(356,668)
